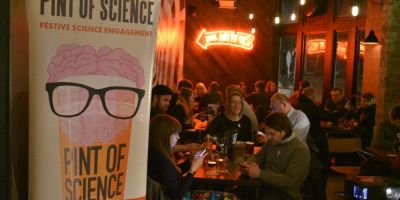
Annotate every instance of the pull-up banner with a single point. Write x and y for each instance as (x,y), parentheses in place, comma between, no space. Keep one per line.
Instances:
(90,67)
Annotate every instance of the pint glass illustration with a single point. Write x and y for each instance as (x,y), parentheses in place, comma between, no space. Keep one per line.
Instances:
(95,95)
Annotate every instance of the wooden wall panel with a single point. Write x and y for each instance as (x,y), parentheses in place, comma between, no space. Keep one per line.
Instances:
(225,64)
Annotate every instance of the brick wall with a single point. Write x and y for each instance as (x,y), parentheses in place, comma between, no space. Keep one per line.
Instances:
(389,74)
(382,66)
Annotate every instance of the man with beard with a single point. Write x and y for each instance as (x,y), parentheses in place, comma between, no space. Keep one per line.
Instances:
(160,99)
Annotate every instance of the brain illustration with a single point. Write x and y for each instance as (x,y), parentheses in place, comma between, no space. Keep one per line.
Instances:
(94,125)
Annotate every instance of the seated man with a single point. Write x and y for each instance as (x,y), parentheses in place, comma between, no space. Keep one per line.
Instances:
(283,162)
(337,101)
(389,130)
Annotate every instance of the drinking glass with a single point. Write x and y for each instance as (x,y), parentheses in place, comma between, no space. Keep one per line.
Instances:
(211,163)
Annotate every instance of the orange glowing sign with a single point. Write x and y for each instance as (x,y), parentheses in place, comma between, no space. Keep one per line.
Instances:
(315,46)
(341,49)
(227,38)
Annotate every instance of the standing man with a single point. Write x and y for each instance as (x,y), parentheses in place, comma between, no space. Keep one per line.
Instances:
(301,124)
(160,99)
(315,114)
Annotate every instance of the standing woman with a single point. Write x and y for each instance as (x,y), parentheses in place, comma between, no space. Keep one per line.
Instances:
(232,119)
(161,166)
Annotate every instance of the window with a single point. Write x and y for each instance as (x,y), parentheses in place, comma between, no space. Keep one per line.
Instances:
(359,65)
(287,64)
(339,73)
(289,7)
(314,57)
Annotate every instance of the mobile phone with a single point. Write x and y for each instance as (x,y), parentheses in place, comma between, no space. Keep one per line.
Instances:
(201,152)
(260,133)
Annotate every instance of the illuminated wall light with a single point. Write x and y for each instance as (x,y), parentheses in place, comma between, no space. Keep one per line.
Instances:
(293,16)
(253,30)
(277,20)
(251,16)
(302,2)
(354,10)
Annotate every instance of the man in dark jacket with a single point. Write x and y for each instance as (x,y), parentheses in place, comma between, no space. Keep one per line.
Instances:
(315,114)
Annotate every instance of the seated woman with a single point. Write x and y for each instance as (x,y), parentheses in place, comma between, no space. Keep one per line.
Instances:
(283,162)
(183,110)
(388,130)
(161,166)
(199,92)
(232,120)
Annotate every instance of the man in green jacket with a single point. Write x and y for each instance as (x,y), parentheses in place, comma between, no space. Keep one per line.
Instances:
(283,162)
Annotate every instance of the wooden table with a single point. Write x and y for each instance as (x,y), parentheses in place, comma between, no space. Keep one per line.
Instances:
(232,176)
(341,139)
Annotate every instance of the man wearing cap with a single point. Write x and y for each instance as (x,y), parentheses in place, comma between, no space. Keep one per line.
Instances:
(160,99)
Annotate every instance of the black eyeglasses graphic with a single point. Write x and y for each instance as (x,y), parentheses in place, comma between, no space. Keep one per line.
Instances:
(72,99)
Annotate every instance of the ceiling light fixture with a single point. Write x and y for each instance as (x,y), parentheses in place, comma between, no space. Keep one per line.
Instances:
(354,9)
(371,38)
(277,20)
(293,16)
(251,16)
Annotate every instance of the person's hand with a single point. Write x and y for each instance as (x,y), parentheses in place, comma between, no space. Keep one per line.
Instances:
(348,106)
(196,163)
(242,167)
(262,138)
(252,169)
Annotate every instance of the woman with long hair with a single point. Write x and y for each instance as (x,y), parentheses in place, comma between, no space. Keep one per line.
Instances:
(161,166)
(183,110)
(232,120)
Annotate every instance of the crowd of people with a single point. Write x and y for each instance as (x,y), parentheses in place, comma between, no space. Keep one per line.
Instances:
(293,141)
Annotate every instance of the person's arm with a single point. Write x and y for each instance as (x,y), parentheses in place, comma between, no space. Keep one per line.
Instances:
(176,187)
(246,133)
(260,156)
(298,166)
(369,118)
(213,126)
(302,126)
(329,115)
(382,141)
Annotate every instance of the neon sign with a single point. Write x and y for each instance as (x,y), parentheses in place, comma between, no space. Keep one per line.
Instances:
(227,38)
(315,46)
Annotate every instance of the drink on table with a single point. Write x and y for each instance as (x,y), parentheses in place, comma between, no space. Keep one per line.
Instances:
(249,147)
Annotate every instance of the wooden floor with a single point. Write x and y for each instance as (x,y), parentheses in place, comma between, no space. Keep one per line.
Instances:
(336,182)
